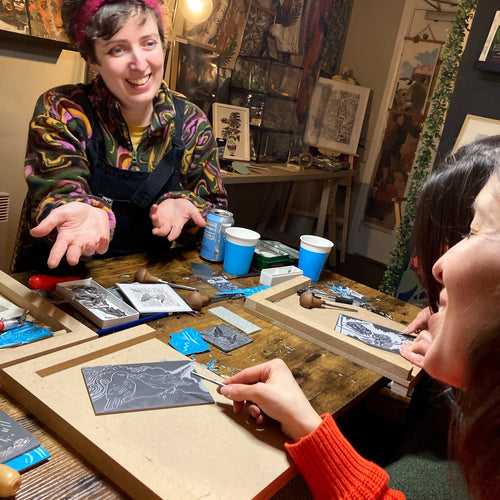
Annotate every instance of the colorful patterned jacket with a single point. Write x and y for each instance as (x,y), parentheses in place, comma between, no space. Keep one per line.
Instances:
(56,165)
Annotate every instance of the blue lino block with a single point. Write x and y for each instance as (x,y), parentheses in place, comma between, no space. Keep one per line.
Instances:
(188,341)
(29,459)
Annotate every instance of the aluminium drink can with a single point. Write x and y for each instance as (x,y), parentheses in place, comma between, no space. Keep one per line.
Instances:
(214,236)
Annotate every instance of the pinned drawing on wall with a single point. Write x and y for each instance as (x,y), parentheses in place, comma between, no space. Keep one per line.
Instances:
(142,386)
(336,115)
(490,55)
(232,124)
(409,108)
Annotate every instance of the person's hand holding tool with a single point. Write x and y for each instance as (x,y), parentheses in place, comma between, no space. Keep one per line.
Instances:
(270,389)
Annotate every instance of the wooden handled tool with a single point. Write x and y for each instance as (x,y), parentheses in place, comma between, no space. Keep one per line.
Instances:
(10,481)
(144,276)
(309,301)
(196,300)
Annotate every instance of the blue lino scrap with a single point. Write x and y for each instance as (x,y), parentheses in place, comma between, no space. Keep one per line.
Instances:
(24,334)
(188,341)
(29,459)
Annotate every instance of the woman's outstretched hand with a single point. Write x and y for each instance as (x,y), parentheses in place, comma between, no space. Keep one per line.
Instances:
(270,389)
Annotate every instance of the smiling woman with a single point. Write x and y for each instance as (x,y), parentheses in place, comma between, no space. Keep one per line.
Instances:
(120,165)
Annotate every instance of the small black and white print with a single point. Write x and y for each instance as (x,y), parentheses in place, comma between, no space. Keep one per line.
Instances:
(371,334)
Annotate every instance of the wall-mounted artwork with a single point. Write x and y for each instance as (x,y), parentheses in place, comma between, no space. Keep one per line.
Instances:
(14,16)
(336,115)
(196,74)
(257,28)
(490,55)
(232,123)
(409,108)
(143,386)
(475,128)
(287,27)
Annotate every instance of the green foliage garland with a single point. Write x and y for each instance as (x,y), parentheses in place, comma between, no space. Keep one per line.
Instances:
(429,140)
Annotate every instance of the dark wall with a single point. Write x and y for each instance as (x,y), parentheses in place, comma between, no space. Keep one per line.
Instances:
(477,92)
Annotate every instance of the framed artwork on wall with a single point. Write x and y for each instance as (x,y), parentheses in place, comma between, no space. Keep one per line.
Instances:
(489,58)
(336,115)
(475,128)
(232,123)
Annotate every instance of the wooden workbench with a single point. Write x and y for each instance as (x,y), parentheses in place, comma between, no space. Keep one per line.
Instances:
(332,383)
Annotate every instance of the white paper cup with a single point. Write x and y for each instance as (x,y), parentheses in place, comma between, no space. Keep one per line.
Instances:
(239,249)
(312,255)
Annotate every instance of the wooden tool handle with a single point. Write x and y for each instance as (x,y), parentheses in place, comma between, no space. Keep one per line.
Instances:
(195,300)
(308,300)
(10,481)
(144,276)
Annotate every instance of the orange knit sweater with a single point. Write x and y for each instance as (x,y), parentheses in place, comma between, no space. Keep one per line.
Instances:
(334,470)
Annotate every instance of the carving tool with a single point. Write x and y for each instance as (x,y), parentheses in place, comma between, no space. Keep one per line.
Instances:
(45,281)
(309,301)
(196,300)
(328,297)
(8,324)
(144,276)
(204,377)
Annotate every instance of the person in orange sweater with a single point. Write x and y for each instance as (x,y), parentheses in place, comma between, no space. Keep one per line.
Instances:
(463,352)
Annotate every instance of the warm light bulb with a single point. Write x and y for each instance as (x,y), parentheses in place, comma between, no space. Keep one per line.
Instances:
(196,11)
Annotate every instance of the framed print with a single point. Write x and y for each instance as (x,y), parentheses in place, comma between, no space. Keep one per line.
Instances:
(232,123)
(336,115)
(491,49)
(475,128)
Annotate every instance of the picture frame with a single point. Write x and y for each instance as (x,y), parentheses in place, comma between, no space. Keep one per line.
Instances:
(232,123)
(489,59)
(336,115)
(474,128)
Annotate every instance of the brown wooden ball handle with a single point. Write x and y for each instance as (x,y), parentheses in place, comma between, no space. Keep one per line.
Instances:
(10,481)
(195,300)
(308,300)
(144,276)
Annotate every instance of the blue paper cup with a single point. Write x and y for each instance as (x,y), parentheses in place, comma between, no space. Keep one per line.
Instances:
(239,249)
(312,255)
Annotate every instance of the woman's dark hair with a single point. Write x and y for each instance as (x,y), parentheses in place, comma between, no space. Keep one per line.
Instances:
(475,427)
(445,206)
(107,21)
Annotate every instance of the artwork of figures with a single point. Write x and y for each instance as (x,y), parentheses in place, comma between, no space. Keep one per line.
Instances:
(142,386)
(13,16)
(371,334)
(336,115)
(404,124)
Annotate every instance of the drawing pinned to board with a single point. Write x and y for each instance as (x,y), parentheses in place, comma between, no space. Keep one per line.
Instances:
(369,333)
(143,386)
(336,115)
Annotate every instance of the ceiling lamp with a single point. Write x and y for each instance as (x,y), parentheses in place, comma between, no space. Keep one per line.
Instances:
(196,11)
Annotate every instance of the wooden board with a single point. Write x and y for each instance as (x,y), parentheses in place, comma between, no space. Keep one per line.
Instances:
(280,306)
(69,330)
(182,453)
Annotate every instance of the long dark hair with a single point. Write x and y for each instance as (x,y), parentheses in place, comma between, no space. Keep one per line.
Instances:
(444,209)
(475,427)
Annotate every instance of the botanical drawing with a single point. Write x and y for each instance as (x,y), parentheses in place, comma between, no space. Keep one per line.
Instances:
(257,26)
(117,388)
(286,29)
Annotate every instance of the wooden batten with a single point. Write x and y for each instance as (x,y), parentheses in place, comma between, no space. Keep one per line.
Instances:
(280,306)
